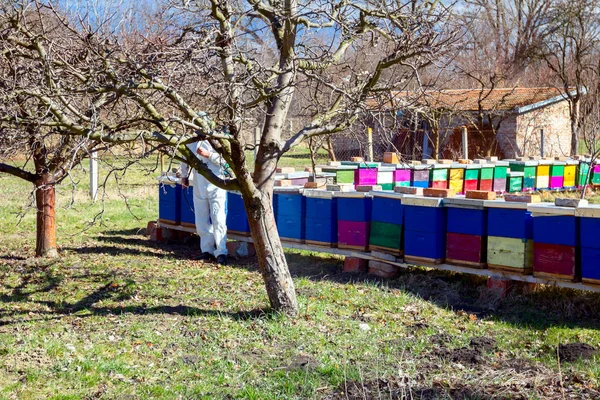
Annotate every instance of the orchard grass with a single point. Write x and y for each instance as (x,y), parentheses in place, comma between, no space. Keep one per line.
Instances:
(118,316)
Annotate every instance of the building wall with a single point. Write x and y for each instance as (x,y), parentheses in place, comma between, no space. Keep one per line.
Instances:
(554,120)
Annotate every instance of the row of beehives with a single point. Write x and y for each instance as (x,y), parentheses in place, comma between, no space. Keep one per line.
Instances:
(547,240)
(539,238)
(499,176)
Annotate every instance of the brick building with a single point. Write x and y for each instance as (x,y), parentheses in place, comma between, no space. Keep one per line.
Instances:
(508,122)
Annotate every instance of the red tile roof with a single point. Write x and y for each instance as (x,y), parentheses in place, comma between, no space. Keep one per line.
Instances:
(503,99)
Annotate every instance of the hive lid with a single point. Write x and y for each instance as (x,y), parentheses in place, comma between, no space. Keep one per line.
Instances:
(572,162)
(168,180)
(529,163)
(475,166)
(540,209)
(334,168)
(288,189)
(505,204)
(458,166)
(420,167)
(386,168)
(363,164)
(292,175)
(387,193)
(463,202)
(545,162)
(590,211)
(318,193)
(396,166)
(559,162)
(515,174)
(501,163)
(351,194)
(411,200)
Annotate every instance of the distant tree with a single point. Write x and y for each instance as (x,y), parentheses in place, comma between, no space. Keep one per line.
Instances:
(570,48)
(210,67)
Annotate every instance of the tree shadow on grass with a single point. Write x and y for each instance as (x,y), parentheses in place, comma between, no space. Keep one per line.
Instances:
(90,305)
(457,292)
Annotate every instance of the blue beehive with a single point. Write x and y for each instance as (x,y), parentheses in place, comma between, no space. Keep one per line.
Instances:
(169,202)
(387,223)
(510,222)
(320,222)
(237,220)
(356,209)
(555,241)
(466,237)
(589,240)
(187,207)
(290,208)
(510,236)
(467,221)
(424,229)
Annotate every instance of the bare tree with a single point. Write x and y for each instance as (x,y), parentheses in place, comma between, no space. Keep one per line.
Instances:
(569,48)
(204,75)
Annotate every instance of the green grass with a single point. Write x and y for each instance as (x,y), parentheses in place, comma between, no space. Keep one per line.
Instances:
(118,316)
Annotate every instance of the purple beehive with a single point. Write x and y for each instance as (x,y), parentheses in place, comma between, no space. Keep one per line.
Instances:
(353,235)
(365,176)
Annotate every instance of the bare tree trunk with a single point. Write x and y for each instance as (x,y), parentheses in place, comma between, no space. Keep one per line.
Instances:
(271,258)
(46,217)
(330,150)
(574,129)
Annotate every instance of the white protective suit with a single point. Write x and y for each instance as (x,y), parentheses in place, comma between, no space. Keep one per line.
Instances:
(209,202)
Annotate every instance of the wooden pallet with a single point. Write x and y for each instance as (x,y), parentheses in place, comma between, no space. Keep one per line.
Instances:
(325,245)
(466,263)
(387,250)
(557,277)
(504,268)
(422,260)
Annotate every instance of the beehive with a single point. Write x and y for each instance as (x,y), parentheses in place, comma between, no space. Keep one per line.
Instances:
(555,241)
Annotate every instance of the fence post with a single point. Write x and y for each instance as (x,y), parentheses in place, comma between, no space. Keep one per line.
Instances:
(542,142)
(93,175)
(370,142)
(465,143)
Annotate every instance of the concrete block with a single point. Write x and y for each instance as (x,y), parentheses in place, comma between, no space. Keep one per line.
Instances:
(390,158)
(240,249)
(409,190)
(283,182)
(570,202)
(480,195)
(368,188)
(492,159)
(357,159)
(464,161)
(316,185)
(355,264)
(433,192)
(445,161)
(348,187)
(285,170)
(383,256)
(480,161)
(429,161)
(154,232)
(383,269)
(523,198)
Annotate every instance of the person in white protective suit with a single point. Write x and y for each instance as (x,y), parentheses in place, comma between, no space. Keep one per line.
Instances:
(209,204)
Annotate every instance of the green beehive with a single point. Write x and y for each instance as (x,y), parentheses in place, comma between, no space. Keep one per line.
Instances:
(584,168)
(385,236)
(343,173)
(487,172)
(500,171)
(514,182)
